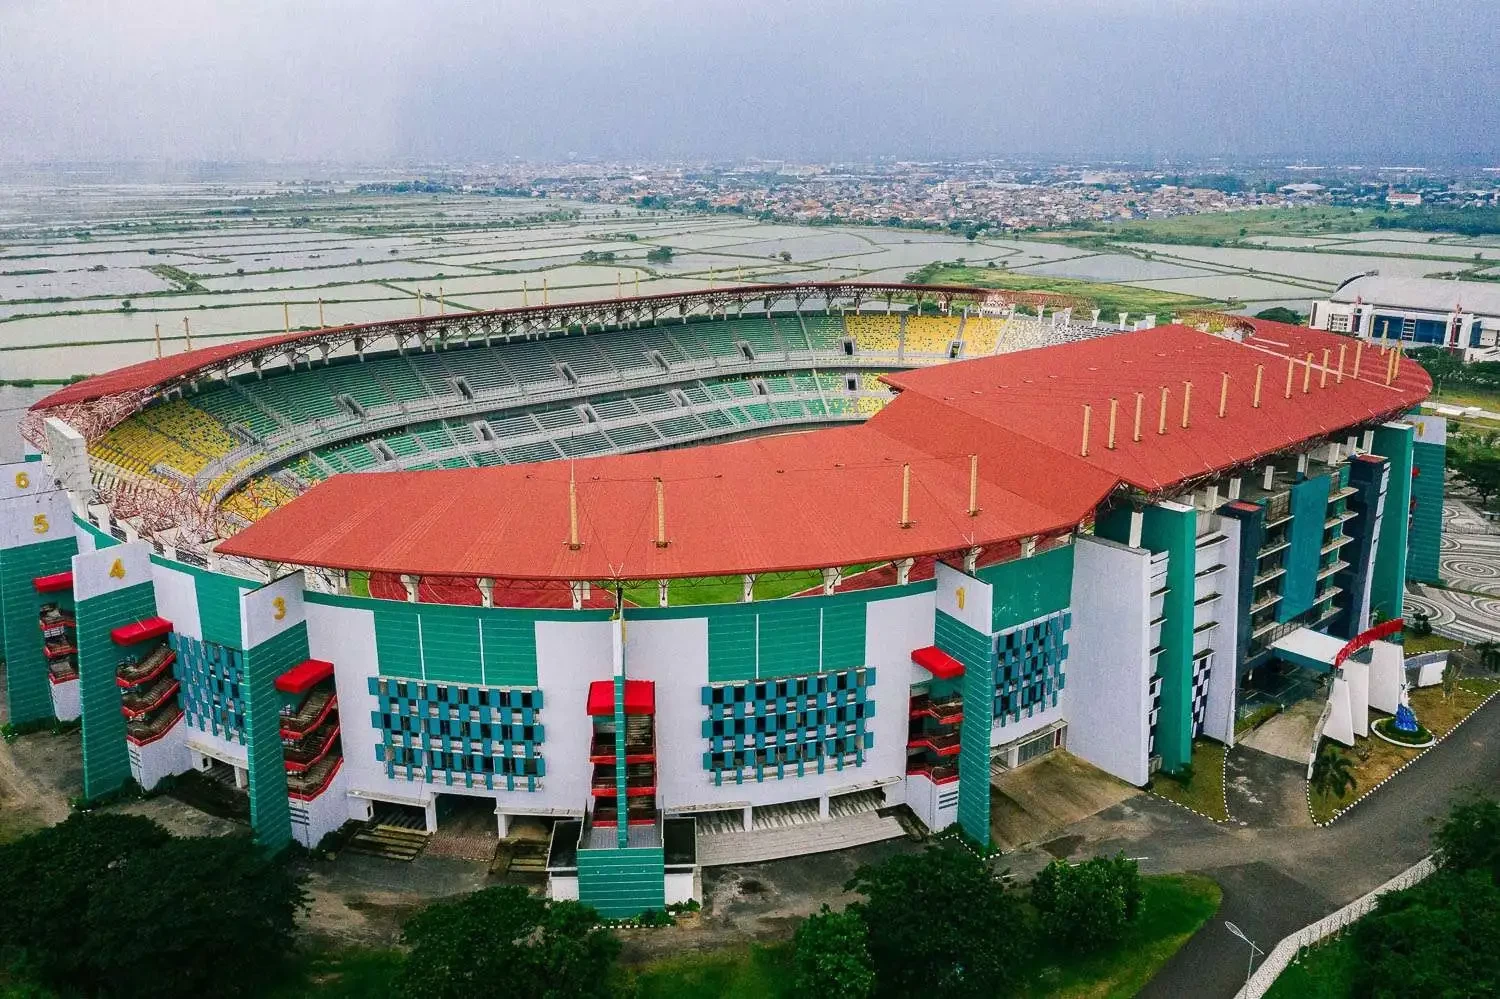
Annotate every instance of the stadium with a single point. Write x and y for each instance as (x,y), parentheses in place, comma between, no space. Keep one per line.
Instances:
(701,577)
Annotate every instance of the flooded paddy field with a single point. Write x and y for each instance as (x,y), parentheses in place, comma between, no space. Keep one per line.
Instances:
(89,272)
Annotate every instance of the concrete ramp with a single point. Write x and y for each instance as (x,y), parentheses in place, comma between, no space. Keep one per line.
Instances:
(1289,735)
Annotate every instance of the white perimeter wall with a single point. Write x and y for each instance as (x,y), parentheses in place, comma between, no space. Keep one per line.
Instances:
(1108,663)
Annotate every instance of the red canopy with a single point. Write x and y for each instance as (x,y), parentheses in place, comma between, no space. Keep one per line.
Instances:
(304,676)
(937,662)
(53,583)
(140,631)
(640,697)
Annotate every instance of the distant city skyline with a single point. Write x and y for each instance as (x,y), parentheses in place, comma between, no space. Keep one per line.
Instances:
(379,82)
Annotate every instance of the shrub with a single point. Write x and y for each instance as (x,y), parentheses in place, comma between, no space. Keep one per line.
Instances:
(114,903)
(1434,939)
(941,923)
(504,942)
(1469,839)
(832,956)
(1090,905)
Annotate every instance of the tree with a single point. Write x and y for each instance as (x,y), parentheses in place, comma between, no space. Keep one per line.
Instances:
(115,904)
(1280,314)
(194,917)
(1090,905)
(833,956)
(504,942)
(1434,939)
(785,255)
(1453,671)
(1421,623)
(659,255)
(1332,774)
(58,867)
(1489,655)
(941,924)
(1469,838)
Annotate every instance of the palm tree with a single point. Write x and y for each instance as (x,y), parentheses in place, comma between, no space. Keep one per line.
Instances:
(1332,775)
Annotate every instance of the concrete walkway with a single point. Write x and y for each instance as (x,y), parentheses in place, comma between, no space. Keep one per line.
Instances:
(1288,735)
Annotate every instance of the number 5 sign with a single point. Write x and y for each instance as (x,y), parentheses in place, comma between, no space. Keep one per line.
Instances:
(32,518)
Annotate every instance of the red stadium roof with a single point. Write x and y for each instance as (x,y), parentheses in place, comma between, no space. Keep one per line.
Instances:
(158,371)
(163,371)
(833,497)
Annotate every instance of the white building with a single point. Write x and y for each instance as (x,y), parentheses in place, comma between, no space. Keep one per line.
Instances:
(1417,312)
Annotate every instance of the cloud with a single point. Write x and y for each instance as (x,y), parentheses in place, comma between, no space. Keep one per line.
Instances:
(377,80)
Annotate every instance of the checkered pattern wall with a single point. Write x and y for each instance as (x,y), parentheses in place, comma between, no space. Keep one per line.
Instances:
(1029,666)
(451,734)
(788,727)
(1203,665)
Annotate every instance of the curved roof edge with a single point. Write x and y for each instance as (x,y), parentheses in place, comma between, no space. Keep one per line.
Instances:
(1014,425)
(165,372)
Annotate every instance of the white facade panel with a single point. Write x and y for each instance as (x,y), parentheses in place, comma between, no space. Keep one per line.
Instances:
(1109,666)
(312,820)
(1218,716)
(65,706)
(160,758)
(176,599)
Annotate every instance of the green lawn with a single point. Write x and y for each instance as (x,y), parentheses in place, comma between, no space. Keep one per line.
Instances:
(1325,973)
(1204,791)
(1209,227)
(343,973)
(1173,910)
(1110,299)
(1463,397)
(1417,644)
(752,972)
(723,589)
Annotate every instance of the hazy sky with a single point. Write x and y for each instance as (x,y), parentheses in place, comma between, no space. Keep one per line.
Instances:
(430,79)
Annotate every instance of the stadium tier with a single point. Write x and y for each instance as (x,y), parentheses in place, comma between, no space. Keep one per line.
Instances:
(403,598)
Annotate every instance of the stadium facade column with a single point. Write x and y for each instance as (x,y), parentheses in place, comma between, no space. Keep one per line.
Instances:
(1429,458)
(629,877)
(1309,510)
(1368,475)
(1395,442)
(36,539)
(16,479)
(1171,528)
(273,633)
(963,629)
(113,587)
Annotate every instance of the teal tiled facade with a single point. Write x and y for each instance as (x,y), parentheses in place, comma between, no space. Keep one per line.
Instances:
(490,736)
(213,691)
(788,727)
(1029,667)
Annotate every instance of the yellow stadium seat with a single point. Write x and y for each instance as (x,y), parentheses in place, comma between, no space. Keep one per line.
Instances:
(931,335)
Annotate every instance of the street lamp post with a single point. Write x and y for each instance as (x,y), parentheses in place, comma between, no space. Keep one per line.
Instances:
(1253,949)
